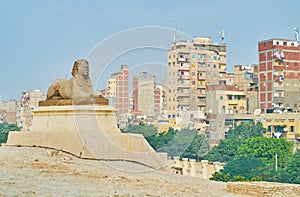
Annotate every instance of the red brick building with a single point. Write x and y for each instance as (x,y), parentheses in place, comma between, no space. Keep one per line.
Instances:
(122,94)
(279,75)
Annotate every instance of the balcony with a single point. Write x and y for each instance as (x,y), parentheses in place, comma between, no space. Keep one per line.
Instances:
(201,86)
(183,94)
(200,95)
(201,103)
(278,99)
(183,77)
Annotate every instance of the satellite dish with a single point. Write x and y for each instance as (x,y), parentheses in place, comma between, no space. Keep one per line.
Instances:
(257,111)
(285,129)
(277,135)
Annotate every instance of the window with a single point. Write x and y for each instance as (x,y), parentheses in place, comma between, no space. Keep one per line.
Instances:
(277,43)
(239,97)
(207,135)
(215,66)
(212,123)
(221,97)
(269,128)
(292,128)
(284,43)
(193,73)
(230,97)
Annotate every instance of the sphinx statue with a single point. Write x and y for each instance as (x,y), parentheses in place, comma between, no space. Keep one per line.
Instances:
(76,91)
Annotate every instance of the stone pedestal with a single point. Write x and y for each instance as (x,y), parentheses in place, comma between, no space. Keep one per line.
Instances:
(87,131)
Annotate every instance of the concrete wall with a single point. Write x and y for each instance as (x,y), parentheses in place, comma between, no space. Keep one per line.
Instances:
(263,189)
(190,167)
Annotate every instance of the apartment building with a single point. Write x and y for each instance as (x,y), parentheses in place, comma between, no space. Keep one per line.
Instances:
(278,75)
(222,100)
(192,66)
(117,91)
(144,94)
(245,78)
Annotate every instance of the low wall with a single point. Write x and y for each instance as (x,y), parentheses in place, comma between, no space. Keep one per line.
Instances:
(190,167)
(263,189)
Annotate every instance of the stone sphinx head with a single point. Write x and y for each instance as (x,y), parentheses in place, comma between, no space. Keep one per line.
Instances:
(80,72)
(80,67)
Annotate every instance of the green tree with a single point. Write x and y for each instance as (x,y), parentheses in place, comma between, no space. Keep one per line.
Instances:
(197,149)
(225,151)
(184,143)
(246,130)
(291,173)
(5,129)
(245,166)
(266,149)
(145,130)
(179,143)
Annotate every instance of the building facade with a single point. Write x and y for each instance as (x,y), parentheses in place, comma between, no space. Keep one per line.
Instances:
(144,91)
(118,91)
(278,75)
(222,100)
(9,111)
(192,66)
(245,78)
(122,91)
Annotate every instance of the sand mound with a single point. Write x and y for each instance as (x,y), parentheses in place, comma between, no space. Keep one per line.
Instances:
(31,171)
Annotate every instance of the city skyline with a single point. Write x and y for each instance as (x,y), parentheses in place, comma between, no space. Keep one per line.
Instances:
(41,40)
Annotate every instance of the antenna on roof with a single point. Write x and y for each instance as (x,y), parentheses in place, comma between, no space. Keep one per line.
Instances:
(222,35)
(175,31)
(297,34)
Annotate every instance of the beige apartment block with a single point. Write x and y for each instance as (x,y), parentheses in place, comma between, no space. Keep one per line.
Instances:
(246,79)
(192,65)
(245,76)
(8,111)
(222,100)
(143,94)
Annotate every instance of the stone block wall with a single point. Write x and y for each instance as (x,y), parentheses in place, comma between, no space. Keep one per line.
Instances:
(264,189)
(190,167)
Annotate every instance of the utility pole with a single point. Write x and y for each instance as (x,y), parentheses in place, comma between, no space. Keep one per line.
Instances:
(277,135)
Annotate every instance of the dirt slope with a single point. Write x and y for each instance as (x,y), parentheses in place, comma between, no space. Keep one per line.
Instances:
(29,171)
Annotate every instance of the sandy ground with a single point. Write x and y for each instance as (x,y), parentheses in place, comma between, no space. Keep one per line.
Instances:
(30,171)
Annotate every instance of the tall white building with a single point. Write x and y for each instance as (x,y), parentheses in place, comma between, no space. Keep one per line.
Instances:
(192,66)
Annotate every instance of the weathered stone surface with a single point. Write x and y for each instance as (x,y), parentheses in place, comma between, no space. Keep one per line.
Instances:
(97,100)
(264,189)
(87,132)
(76,121)
(76,91)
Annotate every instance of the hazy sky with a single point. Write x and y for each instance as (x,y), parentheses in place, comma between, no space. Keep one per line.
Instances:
(40,39)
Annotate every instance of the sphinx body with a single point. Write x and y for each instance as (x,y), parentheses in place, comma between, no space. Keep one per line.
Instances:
(75,91)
